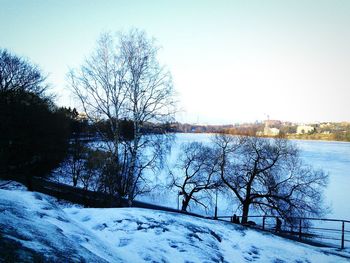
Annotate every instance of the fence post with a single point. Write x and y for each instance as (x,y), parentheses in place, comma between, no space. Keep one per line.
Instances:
(264,222)
(300,229)
(216,204)
(342,235)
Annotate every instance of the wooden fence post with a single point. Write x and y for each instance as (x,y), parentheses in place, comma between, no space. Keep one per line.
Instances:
(263,226)
(342,235)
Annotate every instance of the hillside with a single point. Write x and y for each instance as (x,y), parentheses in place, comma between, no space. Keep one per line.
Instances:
(35,227)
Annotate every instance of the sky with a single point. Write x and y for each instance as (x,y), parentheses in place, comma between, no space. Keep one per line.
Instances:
(231,61)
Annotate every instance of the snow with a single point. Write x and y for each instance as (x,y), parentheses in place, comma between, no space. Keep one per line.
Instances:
(40,227)
(34,221)
(140,235)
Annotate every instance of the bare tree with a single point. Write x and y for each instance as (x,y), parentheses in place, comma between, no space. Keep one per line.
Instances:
(197,175)
(149,98)
(92,176)
(73,165)
(267,174)
(123,80)
(100,87)
(17,73)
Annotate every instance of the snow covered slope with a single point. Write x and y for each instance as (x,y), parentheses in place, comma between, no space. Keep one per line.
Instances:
(34,226)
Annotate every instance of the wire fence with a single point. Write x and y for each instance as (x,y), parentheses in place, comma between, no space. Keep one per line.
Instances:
(95,199)
(315,231)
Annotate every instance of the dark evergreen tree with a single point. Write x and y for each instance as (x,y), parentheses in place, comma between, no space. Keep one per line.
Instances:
(33,132)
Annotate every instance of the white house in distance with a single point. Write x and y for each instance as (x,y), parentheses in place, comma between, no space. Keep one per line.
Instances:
(271,131)
(303,129)
(268,131)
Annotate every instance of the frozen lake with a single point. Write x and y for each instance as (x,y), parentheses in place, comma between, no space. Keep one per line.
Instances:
(332,157)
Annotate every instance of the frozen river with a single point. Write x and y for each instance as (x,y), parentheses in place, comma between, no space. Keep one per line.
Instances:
(332,157)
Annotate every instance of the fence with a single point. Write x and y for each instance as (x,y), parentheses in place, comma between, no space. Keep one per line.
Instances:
(315,231)
(93,199)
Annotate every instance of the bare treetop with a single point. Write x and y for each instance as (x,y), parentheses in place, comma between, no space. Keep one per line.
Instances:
(149,85)
(19,74)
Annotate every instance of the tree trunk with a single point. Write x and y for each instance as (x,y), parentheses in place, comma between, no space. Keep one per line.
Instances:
(75,181)
(185,203)
(245,212)
(131,175)
(134,152)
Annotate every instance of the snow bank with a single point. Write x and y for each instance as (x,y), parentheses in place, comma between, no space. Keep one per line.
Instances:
(34,226)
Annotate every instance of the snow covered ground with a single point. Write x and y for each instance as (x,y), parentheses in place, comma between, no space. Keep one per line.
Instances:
(34,226)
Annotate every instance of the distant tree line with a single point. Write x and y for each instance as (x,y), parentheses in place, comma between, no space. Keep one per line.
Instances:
(243,129)
(323,131)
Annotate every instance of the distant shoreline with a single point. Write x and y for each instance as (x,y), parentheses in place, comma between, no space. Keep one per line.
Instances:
(318,140)
(316,137)
(289,137)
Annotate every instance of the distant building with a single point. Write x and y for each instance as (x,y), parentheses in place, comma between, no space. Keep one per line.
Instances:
(303,129)
(269,131)
(325,125)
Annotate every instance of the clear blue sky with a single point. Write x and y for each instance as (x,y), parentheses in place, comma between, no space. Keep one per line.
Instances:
(231,61)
